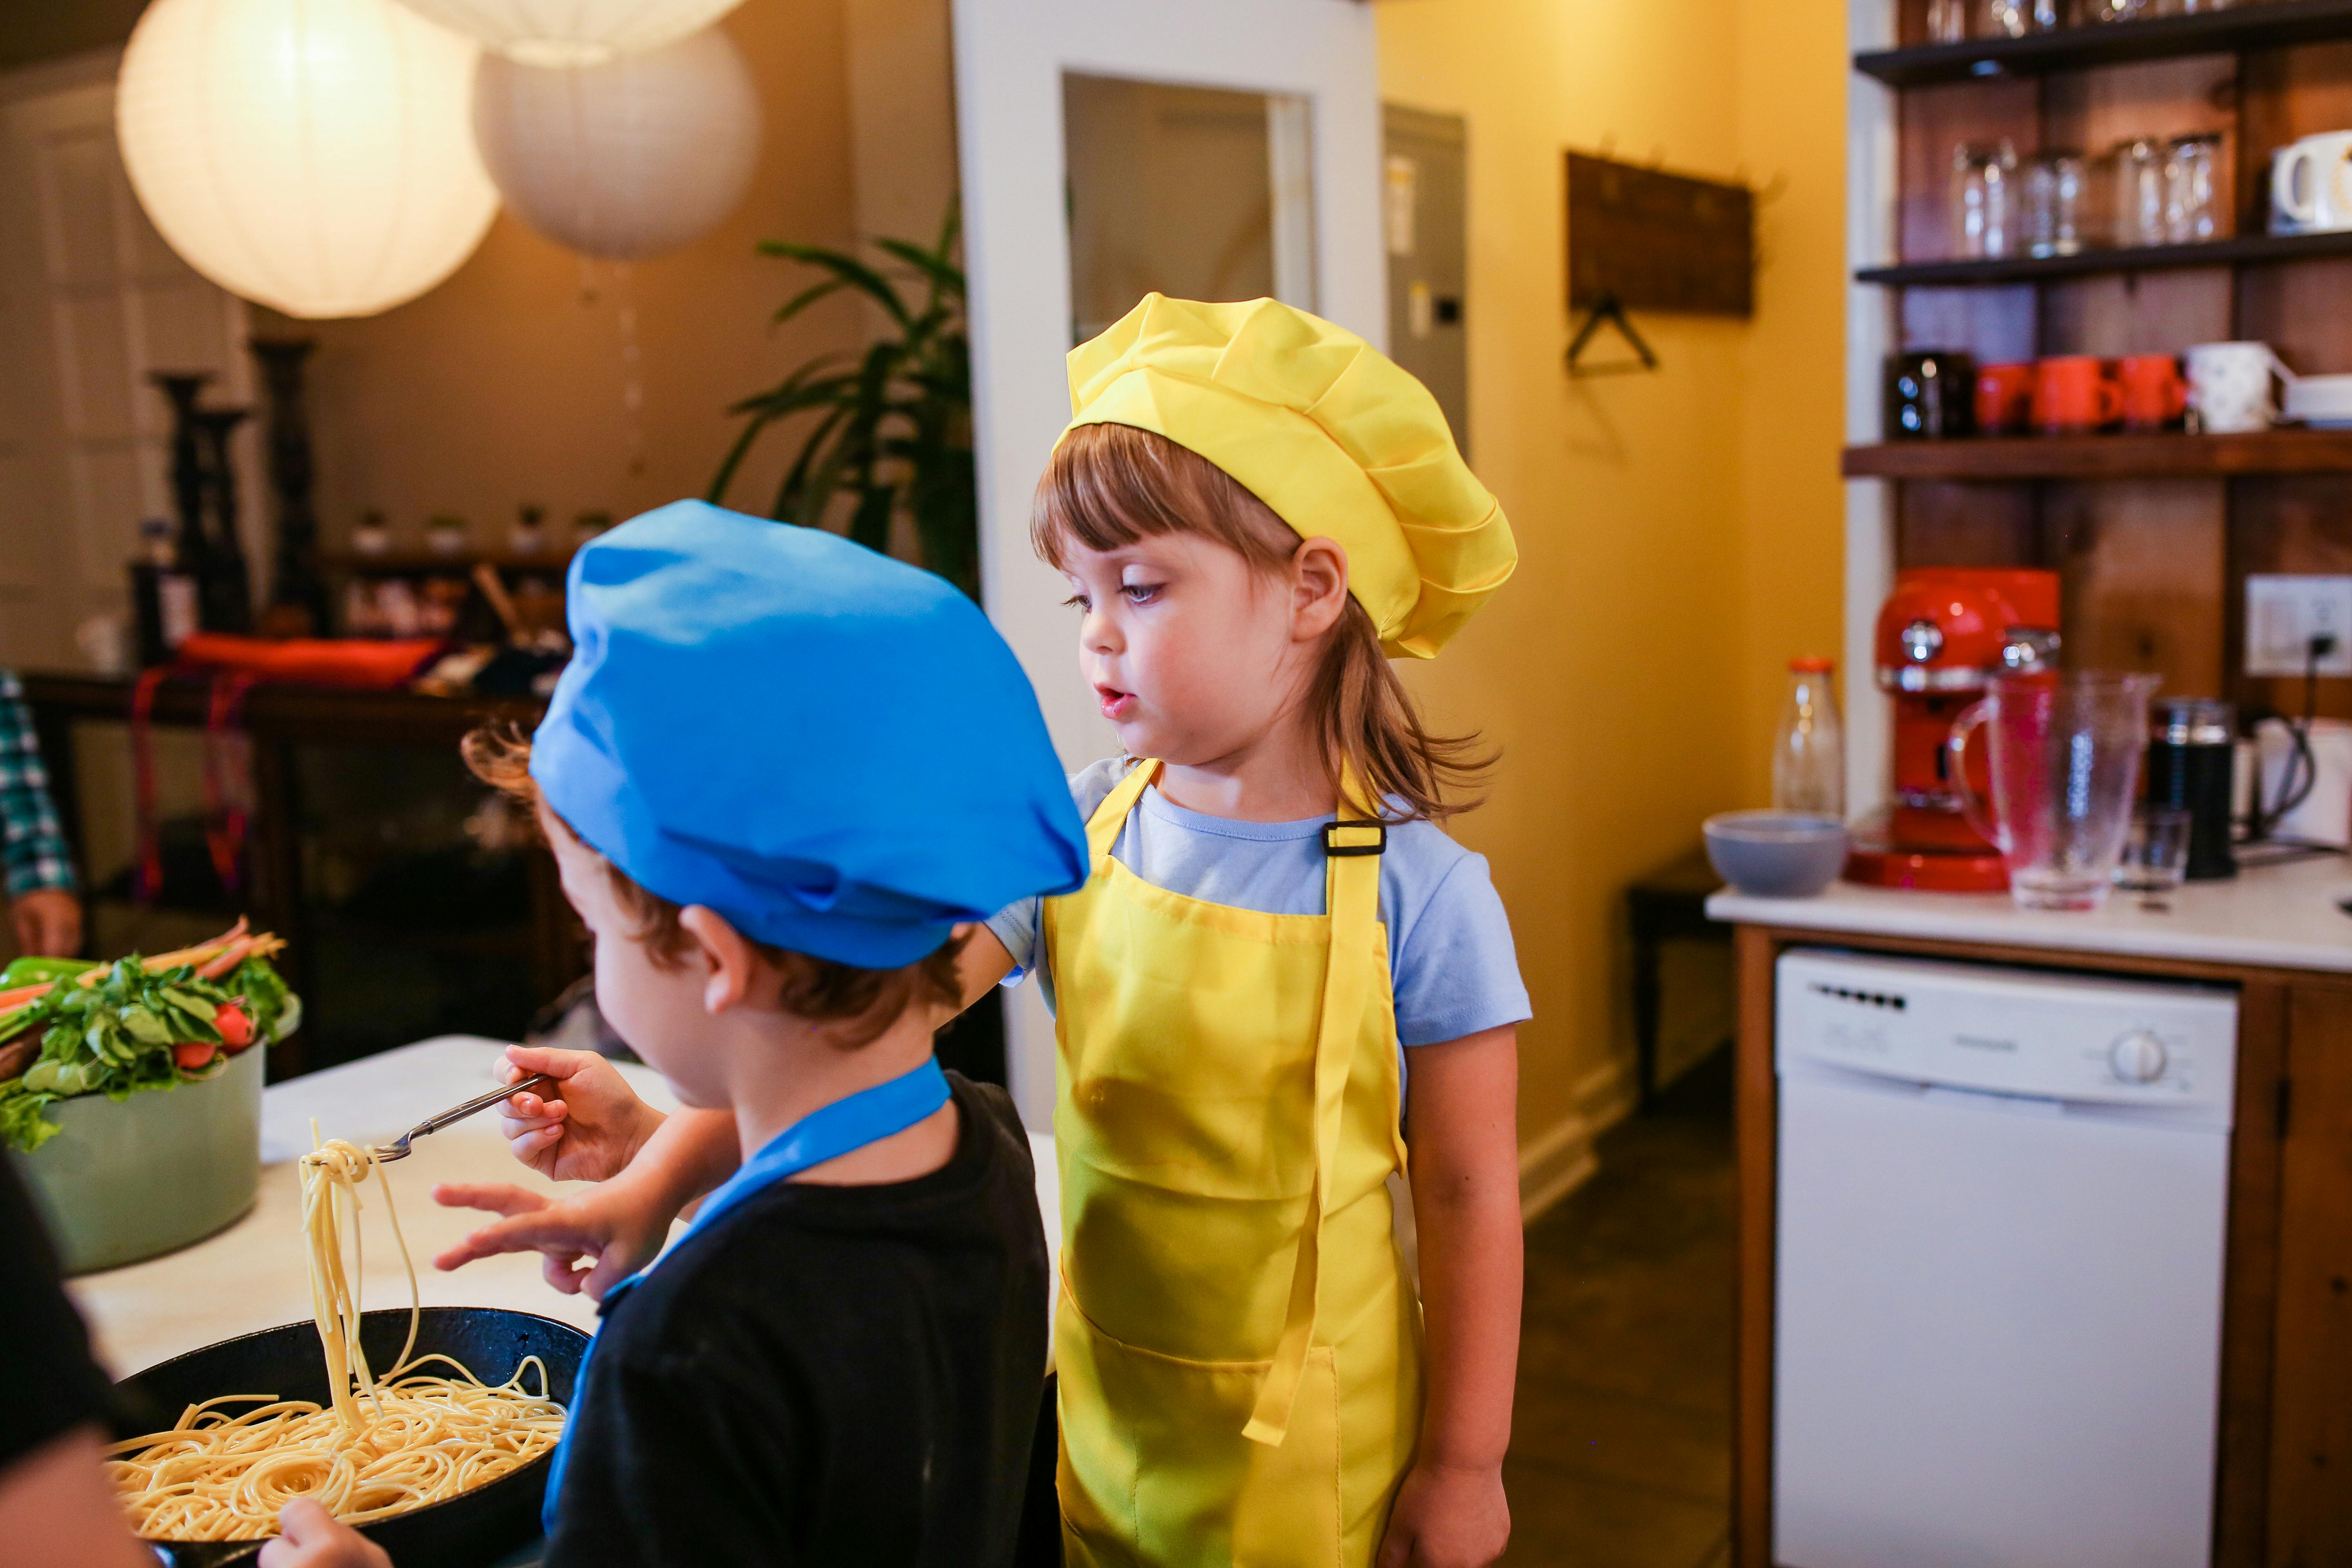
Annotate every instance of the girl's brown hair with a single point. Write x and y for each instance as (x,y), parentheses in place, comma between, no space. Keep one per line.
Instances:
(1111,485)
(861,1004)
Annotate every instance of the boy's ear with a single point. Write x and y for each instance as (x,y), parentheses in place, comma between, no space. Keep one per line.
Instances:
(733,964)
(1318,575)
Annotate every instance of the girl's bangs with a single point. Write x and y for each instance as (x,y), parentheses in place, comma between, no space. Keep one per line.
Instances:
(1108,486)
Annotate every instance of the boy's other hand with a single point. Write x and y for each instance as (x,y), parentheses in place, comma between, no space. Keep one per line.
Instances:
(48,922)
(590,1243)
(1447,1517)
(584,1128)
(310,1537)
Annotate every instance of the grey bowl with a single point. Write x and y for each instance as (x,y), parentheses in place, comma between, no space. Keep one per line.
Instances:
(1775,854)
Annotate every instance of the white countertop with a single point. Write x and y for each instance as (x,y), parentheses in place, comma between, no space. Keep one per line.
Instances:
(253,1274)
(2278,917)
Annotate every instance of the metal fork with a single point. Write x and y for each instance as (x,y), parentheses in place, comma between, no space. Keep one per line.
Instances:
(398,1148)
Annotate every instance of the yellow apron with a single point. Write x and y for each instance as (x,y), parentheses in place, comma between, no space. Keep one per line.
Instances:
(1238,1345)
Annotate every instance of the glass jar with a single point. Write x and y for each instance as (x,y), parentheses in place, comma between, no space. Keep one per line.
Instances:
(2190,212)
(1948,21)
(2054,216)
(2095,11)
(1984,199)
(1809,750)
(2139,194)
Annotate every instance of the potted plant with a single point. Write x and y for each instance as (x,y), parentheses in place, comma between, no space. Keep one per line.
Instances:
(894,422)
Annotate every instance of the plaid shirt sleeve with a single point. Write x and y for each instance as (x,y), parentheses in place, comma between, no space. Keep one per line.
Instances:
(32,846)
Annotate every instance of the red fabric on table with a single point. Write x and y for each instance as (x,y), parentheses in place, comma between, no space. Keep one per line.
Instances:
(357,662)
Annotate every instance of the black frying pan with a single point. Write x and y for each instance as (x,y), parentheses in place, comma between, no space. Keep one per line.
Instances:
(469,1531)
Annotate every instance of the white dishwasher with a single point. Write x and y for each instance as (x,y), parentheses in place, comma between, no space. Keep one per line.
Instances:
(2001,1199)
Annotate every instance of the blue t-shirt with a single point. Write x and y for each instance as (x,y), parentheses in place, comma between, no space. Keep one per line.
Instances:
(1450,955)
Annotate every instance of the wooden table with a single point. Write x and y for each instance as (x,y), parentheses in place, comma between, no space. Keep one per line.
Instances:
(2283,1487)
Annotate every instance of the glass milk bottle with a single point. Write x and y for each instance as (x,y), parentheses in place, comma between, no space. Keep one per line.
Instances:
(1809,748)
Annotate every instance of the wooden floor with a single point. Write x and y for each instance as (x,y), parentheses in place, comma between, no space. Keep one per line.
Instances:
(1620,1454)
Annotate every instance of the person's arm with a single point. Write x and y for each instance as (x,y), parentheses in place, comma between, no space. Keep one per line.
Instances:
(36,871)
(57,1508)
(984,961)
(1463,1140)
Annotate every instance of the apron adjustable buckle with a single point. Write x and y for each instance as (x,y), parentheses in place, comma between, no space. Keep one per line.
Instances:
(1333,846)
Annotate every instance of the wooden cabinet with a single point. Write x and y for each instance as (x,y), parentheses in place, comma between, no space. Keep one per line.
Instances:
(2310,1502)
(2284,1483)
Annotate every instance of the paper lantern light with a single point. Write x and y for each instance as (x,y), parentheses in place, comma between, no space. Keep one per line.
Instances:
(573,32)
(313,155)
(628,158)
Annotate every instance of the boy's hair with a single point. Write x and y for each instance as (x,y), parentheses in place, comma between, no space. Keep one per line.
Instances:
(861,1003)
(1111,485)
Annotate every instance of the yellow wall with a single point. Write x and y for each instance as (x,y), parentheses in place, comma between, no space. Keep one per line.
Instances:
(1679,530)
(507,384)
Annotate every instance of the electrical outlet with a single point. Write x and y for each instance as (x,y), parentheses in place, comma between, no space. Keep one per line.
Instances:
(2284,614)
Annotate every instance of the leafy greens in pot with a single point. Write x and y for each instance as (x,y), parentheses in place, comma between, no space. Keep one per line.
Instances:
(139,1024)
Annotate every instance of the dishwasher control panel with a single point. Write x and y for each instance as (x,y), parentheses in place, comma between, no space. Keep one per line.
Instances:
(2086,1040)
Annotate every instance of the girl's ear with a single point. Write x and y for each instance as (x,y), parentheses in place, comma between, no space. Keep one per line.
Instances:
(733,965)
(1318,578)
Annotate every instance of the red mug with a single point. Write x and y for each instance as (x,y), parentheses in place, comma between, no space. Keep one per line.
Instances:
(2153,393)
(2004,399)
(2074,393)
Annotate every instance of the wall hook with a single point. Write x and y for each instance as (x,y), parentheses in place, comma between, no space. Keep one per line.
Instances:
(1609,311)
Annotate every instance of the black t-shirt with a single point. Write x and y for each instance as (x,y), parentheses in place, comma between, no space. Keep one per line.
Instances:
(53,1386)
(825,1375)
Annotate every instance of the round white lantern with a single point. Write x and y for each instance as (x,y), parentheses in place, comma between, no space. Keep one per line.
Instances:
(313,155)
(628,158)
(573,32)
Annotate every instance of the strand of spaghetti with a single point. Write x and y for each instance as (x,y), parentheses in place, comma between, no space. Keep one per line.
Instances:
(379,1448)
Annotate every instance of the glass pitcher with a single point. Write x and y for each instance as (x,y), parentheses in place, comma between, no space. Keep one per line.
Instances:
(2064,754)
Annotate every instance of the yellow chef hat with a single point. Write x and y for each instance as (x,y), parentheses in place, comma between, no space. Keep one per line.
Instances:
(1325,429)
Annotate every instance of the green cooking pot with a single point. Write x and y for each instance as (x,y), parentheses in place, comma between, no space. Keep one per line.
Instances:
(125,1181)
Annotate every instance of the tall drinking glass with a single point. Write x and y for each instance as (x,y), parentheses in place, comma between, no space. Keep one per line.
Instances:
(2064,752)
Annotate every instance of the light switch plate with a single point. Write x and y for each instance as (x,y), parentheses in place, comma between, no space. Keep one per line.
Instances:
(2283,615)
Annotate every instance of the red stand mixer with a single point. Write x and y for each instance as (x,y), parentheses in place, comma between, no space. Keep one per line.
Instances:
(1943,635)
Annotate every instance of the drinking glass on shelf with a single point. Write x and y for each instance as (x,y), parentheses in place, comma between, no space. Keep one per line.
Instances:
(2189,214)
(1984,198)
(2054,216)
(2115,10)
(2016,18)
(1948,21)
(2190,7)
(2138,216)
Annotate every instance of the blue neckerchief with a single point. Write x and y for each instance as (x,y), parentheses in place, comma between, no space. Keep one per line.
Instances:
(826,1133)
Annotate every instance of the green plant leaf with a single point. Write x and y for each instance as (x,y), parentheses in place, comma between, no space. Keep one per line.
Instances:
(847,270)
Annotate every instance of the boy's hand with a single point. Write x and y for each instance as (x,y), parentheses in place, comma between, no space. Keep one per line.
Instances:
(584,1128)
(310,1537)
(1446,1518)
(590,1243)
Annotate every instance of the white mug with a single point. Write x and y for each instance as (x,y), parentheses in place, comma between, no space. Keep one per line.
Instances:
(2231,387)
(2311,185)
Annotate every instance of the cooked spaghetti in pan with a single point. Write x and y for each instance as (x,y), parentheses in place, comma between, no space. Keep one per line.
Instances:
(380,1446)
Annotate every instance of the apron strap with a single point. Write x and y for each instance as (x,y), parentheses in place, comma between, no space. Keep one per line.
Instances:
(1102,828)
(1351,851)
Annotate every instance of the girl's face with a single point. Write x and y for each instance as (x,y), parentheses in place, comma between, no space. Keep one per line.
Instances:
(1193,653)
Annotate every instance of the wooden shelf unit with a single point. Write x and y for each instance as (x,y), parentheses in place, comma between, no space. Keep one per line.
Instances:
(2153,536)
(2162,454)
(2248,26)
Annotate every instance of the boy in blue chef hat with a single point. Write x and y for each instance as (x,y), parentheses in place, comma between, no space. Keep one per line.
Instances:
(783,777)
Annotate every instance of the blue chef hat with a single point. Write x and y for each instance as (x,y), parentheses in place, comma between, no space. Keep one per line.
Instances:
(834,751)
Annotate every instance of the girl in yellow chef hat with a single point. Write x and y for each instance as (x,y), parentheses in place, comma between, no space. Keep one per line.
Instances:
(1255,512)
